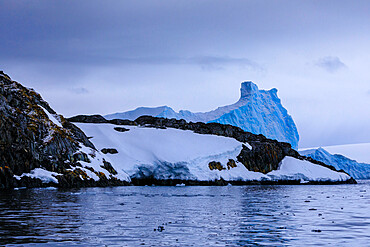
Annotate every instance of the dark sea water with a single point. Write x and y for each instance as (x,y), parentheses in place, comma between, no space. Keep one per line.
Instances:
(263,215)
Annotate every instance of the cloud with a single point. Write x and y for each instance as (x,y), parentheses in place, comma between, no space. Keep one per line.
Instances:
(205,62)
(219,62)
(79,90)
(330,64)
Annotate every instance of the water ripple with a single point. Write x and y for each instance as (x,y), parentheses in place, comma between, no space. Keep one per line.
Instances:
(281,215)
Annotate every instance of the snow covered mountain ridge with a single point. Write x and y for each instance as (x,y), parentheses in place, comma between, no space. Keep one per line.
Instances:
(153,150)
(257,111)
(353,166)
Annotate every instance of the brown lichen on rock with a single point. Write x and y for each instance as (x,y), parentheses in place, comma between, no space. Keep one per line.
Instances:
(231,164)
(215,165)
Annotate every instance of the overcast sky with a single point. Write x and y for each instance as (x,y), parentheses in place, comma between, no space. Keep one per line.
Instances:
(102,57)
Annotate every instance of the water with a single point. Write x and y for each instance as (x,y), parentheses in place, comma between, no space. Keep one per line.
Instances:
(286,215)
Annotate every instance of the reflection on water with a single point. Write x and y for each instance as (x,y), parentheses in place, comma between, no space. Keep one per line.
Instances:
(294,215)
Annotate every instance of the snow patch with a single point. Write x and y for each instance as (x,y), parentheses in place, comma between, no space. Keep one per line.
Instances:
(248,145)
(293,169)
(96,161)
(51,117)
(44,175)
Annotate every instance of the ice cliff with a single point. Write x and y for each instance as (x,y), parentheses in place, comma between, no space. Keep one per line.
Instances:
(257,111)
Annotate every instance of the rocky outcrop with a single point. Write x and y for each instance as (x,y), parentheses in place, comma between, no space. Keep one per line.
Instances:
(120,129)
(33,136)
(109,151)
(88,119)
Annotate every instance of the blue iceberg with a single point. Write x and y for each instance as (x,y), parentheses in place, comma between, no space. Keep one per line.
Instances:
(257,111)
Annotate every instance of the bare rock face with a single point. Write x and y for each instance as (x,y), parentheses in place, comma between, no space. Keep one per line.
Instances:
(33,136)
(88,119)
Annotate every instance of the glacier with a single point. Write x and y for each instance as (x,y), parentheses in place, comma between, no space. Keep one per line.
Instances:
(352,167)
(257,111)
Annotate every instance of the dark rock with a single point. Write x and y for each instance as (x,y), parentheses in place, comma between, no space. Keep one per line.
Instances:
(172,182)
(100,119)
(231,164)
(121,129)
(213,165)
(122,122)
(316,230)
(33,183)
(160,228)
(108,166)
(109,151)
(88,119)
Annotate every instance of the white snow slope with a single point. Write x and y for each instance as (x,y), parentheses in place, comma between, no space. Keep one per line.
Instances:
(183,154)
(96,160)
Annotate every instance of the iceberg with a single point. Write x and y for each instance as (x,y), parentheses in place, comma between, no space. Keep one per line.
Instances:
(257,111)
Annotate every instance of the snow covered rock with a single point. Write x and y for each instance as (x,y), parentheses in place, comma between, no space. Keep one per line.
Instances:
(352,167)
(194,153)
(257,111)
(39,147)
(44,175)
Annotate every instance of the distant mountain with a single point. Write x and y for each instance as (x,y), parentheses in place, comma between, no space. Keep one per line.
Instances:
(358,151)
(257,111)
(352,167)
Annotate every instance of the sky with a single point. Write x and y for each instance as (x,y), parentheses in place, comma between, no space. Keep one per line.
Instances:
(88,57)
